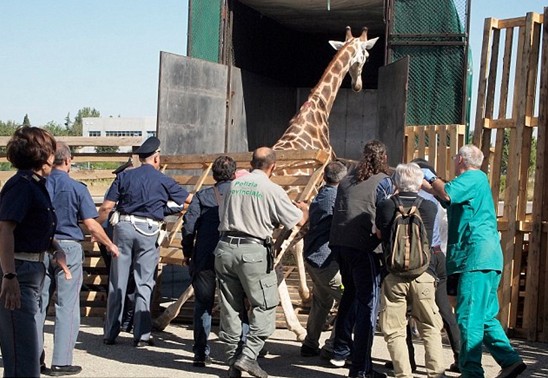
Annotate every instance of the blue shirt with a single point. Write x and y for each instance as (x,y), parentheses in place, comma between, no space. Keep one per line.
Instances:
(144,192)
(200,227)
(72,203)
(316,241)
(24,200)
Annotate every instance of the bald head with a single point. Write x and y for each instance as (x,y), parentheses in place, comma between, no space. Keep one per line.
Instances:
(263,158)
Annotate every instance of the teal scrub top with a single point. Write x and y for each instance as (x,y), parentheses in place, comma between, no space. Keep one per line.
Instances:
(473,240)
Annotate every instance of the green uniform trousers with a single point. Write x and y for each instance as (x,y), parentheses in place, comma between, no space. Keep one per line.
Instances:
(477,309)
(241,272)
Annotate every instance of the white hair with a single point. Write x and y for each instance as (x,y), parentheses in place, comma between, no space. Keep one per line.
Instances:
(471,156)
(408,177)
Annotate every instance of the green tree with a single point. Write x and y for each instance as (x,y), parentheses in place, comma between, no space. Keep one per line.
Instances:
(56,129)
(7,128)
(26,120)
(77,126)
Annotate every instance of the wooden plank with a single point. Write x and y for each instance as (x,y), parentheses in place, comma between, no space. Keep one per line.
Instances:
(95,280)
(444,163)
(483,77)
(518,250)
(534,306)
(78,141)
(281,156)
(432,144)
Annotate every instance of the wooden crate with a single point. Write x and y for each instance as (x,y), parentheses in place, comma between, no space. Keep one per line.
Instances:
(435,143)
(512,60)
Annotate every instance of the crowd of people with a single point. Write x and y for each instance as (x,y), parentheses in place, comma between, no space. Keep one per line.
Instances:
(356,237)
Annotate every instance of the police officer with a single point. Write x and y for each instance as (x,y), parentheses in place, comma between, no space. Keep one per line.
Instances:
(27,226)
(200,236)
(72,203)
(140,196)
(129,302)
(253,207)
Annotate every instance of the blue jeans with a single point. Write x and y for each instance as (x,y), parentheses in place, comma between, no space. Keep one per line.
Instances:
(204,283)
(360,273)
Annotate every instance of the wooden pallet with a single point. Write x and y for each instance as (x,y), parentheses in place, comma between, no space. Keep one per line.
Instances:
(509,120)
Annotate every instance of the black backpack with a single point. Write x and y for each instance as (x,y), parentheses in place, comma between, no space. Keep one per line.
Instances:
(407,251)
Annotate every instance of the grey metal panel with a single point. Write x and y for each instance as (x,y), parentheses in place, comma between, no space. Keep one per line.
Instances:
(236,134)
(191,105)
(269,107)
(352,121)
(392,101)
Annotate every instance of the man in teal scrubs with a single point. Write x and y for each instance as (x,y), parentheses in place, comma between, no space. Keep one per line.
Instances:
(475,262)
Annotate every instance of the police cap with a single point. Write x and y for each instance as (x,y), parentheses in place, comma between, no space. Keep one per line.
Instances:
(149,147)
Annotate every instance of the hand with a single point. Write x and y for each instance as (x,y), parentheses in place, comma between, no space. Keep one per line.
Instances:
(428,174)
(61,259)
(10,294)
(186,261)
(113,249)
(301,205)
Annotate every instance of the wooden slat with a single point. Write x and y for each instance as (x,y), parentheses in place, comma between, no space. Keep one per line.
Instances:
(534,305)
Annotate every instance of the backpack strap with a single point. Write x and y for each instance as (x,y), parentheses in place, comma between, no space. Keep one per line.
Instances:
(399,205)
(416,204)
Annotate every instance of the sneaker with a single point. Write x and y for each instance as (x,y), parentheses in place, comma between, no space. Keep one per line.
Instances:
(307,351)
(513,370)
(201,361)
(337,362)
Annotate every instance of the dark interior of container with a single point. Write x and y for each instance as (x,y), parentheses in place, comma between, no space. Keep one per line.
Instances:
(295,58)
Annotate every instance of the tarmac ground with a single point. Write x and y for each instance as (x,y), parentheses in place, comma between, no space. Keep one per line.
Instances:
(172,356)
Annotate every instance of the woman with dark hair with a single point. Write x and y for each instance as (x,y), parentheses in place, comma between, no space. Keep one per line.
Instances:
(27,226)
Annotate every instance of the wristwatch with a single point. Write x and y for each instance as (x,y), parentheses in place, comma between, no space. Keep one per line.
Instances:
(9,276)
(432,179)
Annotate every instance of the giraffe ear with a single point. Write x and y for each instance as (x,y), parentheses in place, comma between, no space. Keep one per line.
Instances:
(370,43)
(336,44)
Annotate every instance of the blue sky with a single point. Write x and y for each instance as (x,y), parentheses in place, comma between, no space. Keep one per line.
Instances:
(59,56)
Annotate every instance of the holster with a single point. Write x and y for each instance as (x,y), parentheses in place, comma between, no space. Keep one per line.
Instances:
(269,254)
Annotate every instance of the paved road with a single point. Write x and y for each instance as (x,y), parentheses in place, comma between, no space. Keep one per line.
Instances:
(172,356)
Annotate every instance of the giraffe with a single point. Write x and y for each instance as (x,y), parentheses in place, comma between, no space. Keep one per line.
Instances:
(309,129)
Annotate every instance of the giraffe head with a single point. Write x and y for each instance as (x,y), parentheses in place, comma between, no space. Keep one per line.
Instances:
(359,53)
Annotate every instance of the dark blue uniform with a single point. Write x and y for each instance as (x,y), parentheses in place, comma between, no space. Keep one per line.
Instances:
(72,203)
(200,237)
(25,201)
(141,195)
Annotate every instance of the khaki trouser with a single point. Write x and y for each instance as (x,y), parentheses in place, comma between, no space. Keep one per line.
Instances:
(396,294)
(241,273)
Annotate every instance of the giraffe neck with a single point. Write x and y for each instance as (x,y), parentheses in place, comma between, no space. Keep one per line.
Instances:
(327,88)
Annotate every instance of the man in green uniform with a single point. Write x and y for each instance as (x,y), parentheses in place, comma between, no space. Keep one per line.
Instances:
(475,262)
(253,208)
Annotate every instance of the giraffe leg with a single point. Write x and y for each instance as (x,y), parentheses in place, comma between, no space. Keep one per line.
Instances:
(304,291)
(291,319)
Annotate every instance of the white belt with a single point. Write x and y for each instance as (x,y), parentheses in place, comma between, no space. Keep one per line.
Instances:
(29,256)
(136,219)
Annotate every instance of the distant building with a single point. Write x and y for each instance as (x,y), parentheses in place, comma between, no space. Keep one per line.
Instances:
(118,127)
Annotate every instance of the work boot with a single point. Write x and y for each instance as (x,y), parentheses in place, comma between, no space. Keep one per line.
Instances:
(244,363)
